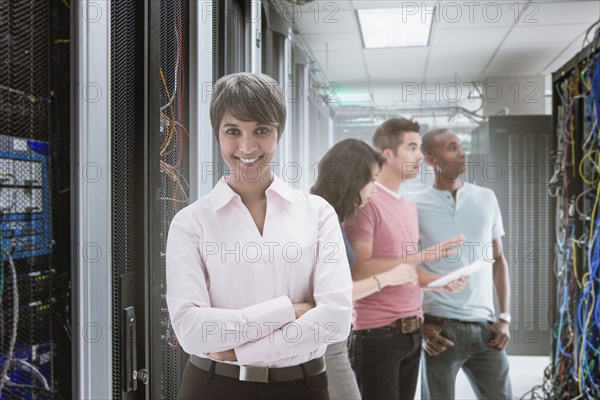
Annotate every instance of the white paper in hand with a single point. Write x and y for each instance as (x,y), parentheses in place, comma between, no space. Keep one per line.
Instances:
(457,274)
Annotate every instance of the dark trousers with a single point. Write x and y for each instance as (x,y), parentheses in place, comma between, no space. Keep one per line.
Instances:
(200,384)
(386,363)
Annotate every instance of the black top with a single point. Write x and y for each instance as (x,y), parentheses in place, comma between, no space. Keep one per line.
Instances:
(349,251)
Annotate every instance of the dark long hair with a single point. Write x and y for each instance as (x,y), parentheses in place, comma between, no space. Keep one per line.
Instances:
(343,172)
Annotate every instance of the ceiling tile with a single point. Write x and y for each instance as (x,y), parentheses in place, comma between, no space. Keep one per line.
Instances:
(516,67)
(322,6)
(397,55)
(548,34)
(463,76)
(458,53)
(359,4)
(472,36)
(402,71)
(554,65)
(453,73)
(335,41)
(527,50)
(340,73)
(336,57)
(491,14)
(463,63)
(544,33)
(323,23)
(567,12)
(573,48)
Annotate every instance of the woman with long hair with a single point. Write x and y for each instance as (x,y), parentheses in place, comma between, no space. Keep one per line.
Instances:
(346,179)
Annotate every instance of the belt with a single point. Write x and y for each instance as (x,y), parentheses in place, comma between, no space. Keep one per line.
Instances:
(406,325)
(434,319)
(403,325)
(260,374)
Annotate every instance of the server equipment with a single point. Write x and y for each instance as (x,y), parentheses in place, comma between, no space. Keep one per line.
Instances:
(35,167)
(510,156)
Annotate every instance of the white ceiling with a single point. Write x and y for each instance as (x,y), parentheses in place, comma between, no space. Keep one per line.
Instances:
(470,42)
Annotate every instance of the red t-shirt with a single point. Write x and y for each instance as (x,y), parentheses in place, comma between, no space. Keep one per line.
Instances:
(391,225)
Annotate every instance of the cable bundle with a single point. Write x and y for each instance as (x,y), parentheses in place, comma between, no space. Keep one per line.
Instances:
(575,371)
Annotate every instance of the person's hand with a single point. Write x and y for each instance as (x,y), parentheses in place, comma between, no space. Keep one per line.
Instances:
(399,275)
(443,249)
(227,355)
(456,285)
(452,287)
(301,308)
(433,341)
(501,334)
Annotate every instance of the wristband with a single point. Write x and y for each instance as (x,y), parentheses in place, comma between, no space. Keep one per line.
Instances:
(378,283)
(505,317)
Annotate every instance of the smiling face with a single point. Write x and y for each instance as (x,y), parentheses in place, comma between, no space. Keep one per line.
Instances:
(248,148)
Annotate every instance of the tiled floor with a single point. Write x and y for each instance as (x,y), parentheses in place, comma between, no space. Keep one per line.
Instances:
(525,373)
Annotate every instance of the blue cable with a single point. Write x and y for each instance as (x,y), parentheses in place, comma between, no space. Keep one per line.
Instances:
(596,85)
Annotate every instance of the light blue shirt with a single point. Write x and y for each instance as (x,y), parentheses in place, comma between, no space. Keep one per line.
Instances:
(475,213)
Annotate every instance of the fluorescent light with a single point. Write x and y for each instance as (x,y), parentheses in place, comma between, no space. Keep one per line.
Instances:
(396,27)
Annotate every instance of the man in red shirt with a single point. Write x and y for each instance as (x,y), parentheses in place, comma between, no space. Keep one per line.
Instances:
(385,233)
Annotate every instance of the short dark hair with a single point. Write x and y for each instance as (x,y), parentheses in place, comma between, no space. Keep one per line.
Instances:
(248,97)
(343,172)
(389,134)
(428,143)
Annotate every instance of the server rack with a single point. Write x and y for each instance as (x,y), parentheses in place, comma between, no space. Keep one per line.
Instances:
(136,136)
(35,160)
(174,175)
(574,371)
(510,156)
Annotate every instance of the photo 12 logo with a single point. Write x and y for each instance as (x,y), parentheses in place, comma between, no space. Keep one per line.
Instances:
(454,12)
(291,11)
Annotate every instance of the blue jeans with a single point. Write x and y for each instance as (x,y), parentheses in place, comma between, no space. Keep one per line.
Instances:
(386,363)
(341,378)
(486,368)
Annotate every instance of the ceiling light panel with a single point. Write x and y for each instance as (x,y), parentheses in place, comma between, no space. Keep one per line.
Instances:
(405,26)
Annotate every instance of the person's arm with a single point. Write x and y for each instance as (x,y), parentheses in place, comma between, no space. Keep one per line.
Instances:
(435,251)
(365,266)
(201,328)
(329,321)
(502,285)
(229,355)
(398,275)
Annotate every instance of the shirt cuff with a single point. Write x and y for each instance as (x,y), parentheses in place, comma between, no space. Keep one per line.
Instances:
(261,351)
(270,315)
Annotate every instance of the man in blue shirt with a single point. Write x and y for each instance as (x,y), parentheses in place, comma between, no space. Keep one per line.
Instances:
(461,330)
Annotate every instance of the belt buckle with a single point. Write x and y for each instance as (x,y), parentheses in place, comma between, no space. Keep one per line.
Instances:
(249,373)
(409,326)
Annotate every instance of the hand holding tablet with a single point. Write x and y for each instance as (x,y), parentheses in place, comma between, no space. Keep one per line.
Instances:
(457,274)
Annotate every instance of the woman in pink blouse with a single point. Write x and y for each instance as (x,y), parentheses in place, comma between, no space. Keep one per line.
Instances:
(258,282)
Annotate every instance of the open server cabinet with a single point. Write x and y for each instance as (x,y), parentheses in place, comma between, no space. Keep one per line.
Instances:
(35,247)
(104,137)
(142,144)
(576,112)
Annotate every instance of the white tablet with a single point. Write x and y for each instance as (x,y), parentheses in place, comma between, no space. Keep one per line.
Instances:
(457,274)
